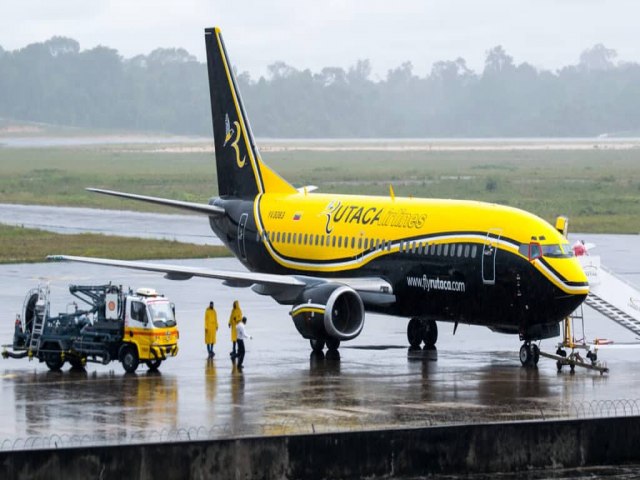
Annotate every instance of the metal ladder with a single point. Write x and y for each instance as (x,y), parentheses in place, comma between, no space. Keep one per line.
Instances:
(613,313)
(41,312)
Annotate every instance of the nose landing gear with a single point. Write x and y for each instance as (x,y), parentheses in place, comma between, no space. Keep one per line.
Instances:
(529,354)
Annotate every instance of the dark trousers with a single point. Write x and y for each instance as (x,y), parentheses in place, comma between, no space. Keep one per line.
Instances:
(240,352)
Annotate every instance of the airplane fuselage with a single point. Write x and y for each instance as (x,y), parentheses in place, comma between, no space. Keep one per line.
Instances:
(458,261)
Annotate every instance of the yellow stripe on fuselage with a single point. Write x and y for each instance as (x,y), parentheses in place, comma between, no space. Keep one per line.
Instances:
(368,220)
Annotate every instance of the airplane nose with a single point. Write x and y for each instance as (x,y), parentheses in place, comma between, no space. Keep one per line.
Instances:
(567,304)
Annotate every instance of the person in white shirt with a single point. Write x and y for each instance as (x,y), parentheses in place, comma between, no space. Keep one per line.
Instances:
(242,336)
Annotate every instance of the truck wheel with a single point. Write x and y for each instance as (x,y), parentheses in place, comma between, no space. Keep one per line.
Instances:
(154,364)
(77,363)
(54,361)
(129,359)
(54,358)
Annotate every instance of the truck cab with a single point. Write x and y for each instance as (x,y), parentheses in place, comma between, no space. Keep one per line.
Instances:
(150,329)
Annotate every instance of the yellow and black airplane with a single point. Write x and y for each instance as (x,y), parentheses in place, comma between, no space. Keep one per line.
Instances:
(333,257)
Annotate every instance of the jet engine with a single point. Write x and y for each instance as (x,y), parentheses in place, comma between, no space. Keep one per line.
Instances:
(328,311)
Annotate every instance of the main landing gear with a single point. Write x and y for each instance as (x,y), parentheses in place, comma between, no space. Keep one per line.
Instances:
(421,330)
(529,354)
(318,345)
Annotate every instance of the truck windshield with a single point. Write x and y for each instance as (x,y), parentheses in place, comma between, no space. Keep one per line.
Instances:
(557,251)
(162,315)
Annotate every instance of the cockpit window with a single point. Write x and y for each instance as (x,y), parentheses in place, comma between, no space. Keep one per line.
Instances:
(557,251)
(162,315)
(531,250)
(534,250)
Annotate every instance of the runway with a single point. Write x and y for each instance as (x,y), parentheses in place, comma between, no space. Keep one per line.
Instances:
(376,382)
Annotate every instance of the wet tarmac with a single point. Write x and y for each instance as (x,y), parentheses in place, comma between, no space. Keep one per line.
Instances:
(375,381)
(69,220)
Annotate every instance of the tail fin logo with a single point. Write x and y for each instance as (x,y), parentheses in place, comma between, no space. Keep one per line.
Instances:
(231,132)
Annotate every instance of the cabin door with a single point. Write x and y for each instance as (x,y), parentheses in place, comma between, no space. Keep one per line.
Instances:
(242,251)
(489,251)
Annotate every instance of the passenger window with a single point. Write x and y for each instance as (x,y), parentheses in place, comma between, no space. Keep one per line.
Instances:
(289,237)
(466,251)
(460,250)
(317,239)
(322,241)
(294,238)
(432,249)
(445,250)
(474,250)
(339,242)
(360,242)
(333,242)
(439,249)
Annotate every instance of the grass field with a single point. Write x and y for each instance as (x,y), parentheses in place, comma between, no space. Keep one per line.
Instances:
(599,189)
(22,245)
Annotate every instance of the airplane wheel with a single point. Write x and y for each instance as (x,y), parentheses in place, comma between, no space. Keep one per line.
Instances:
(535,354)
(559,365)
(316,345)
(525,354)
(430,333)
(332,344)
(414,332)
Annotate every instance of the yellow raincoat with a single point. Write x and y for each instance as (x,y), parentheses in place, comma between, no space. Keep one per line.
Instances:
(234,320)
(210,325)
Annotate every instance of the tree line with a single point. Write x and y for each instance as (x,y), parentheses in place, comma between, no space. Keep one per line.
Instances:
(167,91)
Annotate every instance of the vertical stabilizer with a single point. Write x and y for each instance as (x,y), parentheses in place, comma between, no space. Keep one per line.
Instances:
(241,172)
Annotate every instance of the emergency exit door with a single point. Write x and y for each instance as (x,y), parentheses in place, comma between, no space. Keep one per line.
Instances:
(242,251)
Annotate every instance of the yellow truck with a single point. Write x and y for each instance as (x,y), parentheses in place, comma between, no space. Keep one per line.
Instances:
(120,325)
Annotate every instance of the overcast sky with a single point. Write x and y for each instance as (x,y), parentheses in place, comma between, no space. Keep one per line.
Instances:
(314,34)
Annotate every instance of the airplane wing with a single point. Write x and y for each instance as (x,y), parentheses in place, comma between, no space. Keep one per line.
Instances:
(202,208)
(284,288)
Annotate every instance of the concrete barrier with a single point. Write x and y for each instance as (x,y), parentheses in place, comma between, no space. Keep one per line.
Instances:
(477,448)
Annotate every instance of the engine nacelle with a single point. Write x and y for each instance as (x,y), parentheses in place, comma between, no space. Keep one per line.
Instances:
(329,310)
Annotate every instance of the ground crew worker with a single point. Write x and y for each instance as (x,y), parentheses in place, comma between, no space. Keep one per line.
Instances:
(18,336)
(234,319)
(242,336)
(210,329)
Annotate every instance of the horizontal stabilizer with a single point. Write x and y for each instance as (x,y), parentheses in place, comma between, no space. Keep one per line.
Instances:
(201,208)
